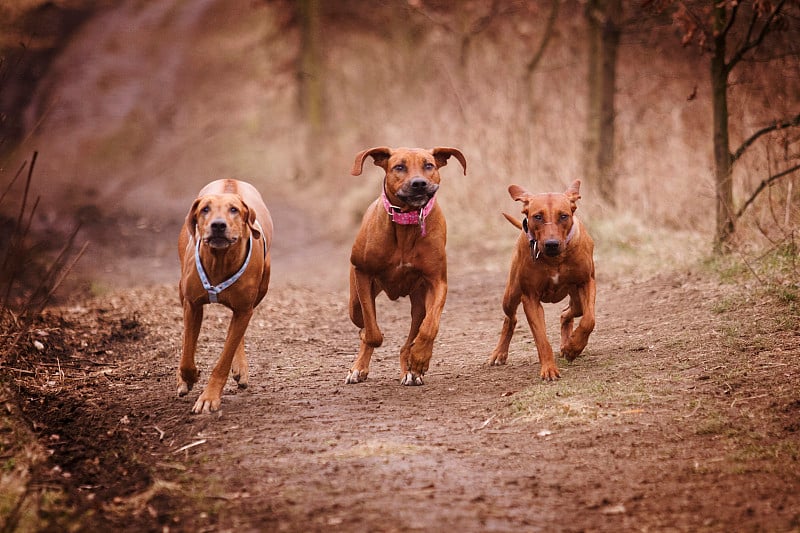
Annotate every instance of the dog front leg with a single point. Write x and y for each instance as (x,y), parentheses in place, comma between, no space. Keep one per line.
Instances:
(419,357)
(534,312)
(211,398)
(187,369)
(362,294)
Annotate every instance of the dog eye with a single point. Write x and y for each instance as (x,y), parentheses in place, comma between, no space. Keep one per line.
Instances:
(428,166)
(538,217)
(564,216)
(399,168)
(234,210)
(205,210)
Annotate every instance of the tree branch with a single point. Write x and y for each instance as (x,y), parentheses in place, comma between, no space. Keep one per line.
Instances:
(749,45)
(731,21)
(792,122)
(548,33)
(482,23)
(762,186)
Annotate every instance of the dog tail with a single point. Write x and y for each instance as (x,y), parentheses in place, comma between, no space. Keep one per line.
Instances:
(513,220)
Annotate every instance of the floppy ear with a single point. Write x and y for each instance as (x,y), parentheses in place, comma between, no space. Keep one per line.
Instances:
(250,217)
(191,217)
(380,155)
(574,194)
(518,193)
(442,154)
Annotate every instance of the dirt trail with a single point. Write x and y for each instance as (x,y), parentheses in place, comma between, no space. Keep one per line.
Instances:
(663,424)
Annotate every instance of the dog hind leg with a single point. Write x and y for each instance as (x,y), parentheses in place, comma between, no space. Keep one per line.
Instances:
(239,370)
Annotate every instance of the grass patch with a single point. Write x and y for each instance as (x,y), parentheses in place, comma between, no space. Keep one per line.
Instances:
(713,424)
(569,403)
(766,287)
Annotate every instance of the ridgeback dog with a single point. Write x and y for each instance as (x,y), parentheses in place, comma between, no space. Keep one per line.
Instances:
(400,250)
(224,252)
(552,260)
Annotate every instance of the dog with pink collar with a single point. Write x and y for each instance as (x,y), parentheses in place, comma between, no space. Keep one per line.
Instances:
(400,250)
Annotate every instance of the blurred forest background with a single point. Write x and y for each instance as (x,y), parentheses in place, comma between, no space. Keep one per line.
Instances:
(133,105)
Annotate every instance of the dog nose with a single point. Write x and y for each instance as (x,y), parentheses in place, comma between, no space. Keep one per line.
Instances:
(551,246)
(419,183)
(218,226)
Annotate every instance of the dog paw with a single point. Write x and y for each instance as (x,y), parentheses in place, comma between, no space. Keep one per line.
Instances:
(569,353)
(549,373)
(354,376)
(498,359)
(241,380)
(206,404)
(410,379)
(186,379)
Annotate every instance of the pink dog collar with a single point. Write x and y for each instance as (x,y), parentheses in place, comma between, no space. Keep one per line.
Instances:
(409,217)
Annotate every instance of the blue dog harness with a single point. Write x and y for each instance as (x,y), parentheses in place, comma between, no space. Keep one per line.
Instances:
(214,290)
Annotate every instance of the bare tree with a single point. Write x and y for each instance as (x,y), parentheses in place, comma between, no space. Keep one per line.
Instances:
(603,20)
(731,31)
(310,68)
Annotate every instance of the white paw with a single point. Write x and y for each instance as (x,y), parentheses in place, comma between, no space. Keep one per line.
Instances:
(354,376)
(410,379)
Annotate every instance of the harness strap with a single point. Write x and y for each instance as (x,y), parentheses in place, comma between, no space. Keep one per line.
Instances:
(214,290)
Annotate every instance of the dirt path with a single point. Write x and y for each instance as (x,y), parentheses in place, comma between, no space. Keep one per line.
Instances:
(678,417)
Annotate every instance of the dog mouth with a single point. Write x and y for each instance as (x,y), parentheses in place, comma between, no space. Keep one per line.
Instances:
(219,242)
(418,197)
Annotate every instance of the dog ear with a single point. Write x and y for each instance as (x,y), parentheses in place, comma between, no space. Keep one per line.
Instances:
(250,217)
(191,218)
(574,194)
(380,155)
(442,154)
(518,193)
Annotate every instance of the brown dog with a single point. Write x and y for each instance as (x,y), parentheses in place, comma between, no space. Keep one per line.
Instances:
(224,252)
(552,260)
(400,250)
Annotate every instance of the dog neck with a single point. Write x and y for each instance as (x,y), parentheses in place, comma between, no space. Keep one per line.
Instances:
(214,290)
(408,217)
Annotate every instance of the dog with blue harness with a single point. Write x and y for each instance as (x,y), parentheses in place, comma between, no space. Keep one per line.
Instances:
(224,252)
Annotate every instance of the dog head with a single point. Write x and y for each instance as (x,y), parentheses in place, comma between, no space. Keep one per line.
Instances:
(221,220)
(412,174)
(549,216)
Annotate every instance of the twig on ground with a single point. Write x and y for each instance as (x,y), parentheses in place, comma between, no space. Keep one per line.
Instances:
(192,445)
(747,399)
(485,423)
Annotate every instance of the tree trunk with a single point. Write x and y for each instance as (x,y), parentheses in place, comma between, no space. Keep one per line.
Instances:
(602,18)
(722,154)
(310,65)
